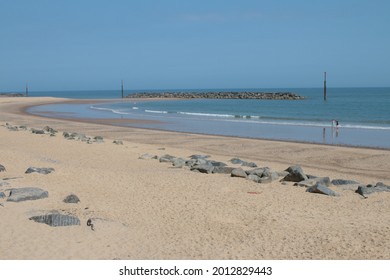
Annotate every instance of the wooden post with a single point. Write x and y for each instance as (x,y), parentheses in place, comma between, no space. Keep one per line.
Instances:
(26,89)
(324,86)
(122,88)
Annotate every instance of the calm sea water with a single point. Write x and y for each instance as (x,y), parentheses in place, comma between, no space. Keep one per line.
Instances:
(363,115)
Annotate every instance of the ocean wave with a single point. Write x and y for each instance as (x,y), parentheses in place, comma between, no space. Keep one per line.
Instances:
(156,112)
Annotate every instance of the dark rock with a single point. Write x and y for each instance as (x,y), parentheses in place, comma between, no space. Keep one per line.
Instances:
(249,164)
(167,158)
(37,131)
(223,169)
(98,139)
(2,168)
(72,198)
(311,182)
(238,172)
(118,142)
(66,134)
(39,170)
(369,189)
(258,171)
(296,174)
(203,168)
(321,189)
(49,130)
(254,178)
(217,163)
(338,182)
(148,156)
(28,193)
(22,127)
(219,95)
(236,161)
(178,162)
(199,156)
(56,220)
(2,195)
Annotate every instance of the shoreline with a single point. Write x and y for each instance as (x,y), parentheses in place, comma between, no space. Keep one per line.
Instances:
(117,122)
(146,209)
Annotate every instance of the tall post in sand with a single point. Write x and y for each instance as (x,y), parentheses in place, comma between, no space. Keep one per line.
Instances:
(26,89)
(122,89)
(324,86)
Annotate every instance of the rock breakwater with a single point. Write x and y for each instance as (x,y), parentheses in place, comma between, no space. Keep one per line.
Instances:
(219,95)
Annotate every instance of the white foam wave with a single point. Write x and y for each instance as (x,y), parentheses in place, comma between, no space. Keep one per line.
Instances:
(207,114)
(156,112)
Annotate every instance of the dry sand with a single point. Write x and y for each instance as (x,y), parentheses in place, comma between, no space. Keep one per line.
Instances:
(150,210)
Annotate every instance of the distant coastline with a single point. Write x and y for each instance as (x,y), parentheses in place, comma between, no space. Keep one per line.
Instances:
(219,95)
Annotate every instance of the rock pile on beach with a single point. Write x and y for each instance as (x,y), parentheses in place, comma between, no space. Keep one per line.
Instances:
(265,175)
(11,94)
(220,95)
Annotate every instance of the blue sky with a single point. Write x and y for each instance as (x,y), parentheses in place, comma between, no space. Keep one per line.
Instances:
(70,45)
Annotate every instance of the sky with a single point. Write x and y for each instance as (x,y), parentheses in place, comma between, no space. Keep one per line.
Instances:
(193,44)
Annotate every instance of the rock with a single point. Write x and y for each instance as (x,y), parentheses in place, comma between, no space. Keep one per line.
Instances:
(217,163)
(56,220)
(223,169)
(28,193)
(2,195)
(236,161)
(118,142)
(321,189)
(39,170)
(167,158)
(178,162)
(203,168)
(369,189)
(49,130)
(311,182)
(22,127)
(338,182)
(199,156)
(238,172)
(66,134)
(249,164)
(37,131)
(98,139)
(258,171)
(2,168)
(295,174)
(72,198)
(148,156)
(254,178)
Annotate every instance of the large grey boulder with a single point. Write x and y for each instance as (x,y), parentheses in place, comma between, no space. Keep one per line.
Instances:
(236,161)
(203,168)
(98,139)
(370,189)
(258,171)
(217,163)
(249,164)
(254,178)
(238,172)
(28,193)
(167,158)
(199,156)
(321,189)
(311,182)
(56,220)
(178,162)
(39,170)
(295,174)
(2,195)
(49,130)
(2,168)
(72,198)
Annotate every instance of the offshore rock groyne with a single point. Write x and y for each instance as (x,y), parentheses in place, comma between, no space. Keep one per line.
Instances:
(219,95)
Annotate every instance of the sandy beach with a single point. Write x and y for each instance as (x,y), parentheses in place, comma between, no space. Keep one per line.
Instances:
(144,209)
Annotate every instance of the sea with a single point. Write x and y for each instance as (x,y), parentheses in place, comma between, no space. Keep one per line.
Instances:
(363,114)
